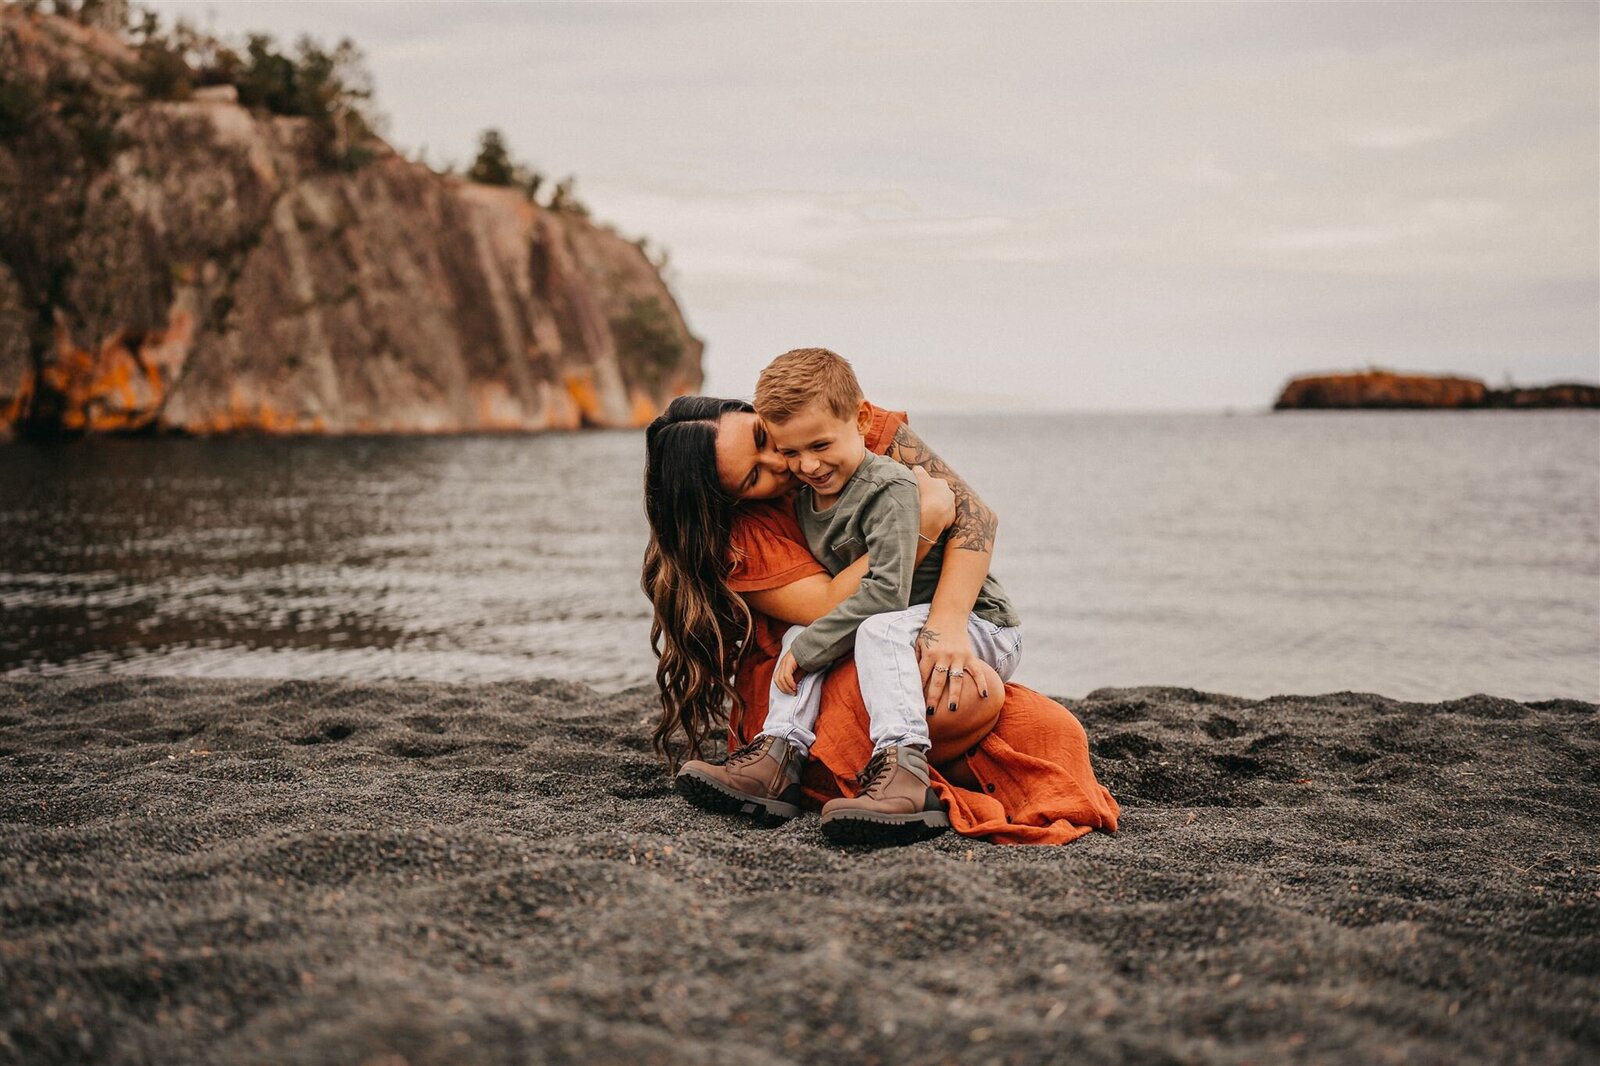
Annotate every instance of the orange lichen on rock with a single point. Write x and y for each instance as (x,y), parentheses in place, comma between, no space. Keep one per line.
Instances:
(268,419)
(244,416)
(19,402)
(118,386)
(642,411)
(1381,388)
(223,420)
(581,388)
(561,410)
(107,388)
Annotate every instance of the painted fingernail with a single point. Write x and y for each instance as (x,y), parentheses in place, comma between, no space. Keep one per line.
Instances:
(930,710)
(952,706)
(985,695)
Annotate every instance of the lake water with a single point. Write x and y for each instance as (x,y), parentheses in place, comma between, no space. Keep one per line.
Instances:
(1423,556)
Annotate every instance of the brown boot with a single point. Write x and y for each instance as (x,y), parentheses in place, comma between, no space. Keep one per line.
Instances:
(760,779)
(896,804)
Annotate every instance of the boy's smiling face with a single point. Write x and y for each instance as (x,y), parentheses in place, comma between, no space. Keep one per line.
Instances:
(822,449)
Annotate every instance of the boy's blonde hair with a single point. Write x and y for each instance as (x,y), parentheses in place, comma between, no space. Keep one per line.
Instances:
(802,377)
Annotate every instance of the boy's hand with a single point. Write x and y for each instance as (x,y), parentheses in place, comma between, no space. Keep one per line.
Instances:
(945,656)
(788,674)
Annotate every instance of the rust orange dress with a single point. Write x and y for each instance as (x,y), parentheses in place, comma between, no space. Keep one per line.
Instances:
(1037,786)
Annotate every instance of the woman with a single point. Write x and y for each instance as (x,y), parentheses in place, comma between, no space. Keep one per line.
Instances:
(727,570)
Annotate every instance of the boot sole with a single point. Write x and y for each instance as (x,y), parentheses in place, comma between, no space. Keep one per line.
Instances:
(712,795)
(852,827)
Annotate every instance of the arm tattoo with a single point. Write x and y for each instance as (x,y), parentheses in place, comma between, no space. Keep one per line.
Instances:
(975,525)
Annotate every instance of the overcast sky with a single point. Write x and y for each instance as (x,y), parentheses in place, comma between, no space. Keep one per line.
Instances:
(1080,206)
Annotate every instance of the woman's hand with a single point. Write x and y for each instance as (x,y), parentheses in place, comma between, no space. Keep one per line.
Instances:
(947,661)
(955,733)
(937,503)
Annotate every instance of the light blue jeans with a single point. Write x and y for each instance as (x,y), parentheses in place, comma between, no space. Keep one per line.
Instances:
(891,682)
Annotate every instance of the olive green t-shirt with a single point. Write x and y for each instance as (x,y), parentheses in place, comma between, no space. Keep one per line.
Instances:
(877,515)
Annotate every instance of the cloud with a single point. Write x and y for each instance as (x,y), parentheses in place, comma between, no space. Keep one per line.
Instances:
(1393,137)
(1408,224)
(730,246)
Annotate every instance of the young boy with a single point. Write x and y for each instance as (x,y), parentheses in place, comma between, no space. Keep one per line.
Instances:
(853,503)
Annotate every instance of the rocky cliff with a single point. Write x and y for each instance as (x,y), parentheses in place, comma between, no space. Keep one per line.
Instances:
(196,266)
(1383,389)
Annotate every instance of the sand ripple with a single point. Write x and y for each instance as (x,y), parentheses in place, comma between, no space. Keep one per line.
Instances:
(251,871)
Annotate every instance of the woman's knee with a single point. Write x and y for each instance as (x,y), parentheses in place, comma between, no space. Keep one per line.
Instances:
(984,691)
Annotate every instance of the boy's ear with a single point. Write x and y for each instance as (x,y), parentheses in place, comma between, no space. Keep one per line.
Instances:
(864,417)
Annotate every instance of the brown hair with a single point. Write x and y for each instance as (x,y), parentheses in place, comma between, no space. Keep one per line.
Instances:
(700,625)
(802,377)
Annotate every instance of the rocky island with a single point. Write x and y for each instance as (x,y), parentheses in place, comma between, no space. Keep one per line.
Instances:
(183,250)
(1383,389)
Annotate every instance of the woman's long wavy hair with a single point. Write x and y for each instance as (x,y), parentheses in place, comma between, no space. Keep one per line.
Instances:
(701,625)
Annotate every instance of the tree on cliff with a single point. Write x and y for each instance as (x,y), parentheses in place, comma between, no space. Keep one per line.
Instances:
(494,165)
(565,198)
(330,87)
(105,14)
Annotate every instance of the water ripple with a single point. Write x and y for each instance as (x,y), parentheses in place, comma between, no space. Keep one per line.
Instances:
(1423,556)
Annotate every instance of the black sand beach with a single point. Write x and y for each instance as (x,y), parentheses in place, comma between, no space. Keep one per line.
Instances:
(226,872)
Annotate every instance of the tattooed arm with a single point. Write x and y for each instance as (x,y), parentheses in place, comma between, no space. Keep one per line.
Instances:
(975,524)
(943,646)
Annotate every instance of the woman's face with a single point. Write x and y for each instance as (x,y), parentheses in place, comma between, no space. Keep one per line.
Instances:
(748,466)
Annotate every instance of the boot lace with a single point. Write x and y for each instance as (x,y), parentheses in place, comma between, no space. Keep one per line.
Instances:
(877,770)
(744,753)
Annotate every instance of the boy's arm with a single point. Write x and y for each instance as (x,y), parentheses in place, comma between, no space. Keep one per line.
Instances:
(943,646)
(889,522)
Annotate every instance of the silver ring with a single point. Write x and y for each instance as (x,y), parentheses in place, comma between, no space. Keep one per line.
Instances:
(957,673)
(940,669)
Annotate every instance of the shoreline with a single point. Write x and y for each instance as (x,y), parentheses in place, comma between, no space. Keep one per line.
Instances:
(252,871)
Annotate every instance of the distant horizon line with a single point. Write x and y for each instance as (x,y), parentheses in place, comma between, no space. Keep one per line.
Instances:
(1229,411)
